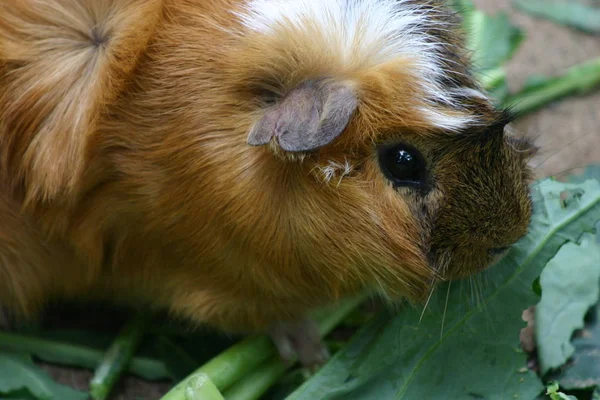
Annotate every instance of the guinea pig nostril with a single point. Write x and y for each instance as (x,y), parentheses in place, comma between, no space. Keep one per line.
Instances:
(498,250)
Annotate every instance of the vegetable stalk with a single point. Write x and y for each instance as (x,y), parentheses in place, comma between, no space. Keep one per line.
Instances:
(59,352)
(201,387)
(579,79)
(117,357)
(237,363)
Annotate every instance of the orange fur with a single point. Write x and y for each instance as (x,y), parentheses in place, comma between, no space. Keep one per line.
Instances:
(126,173)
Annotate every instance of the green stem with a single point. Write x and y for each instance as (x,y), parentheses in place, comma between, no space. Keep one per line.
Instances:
(579,79)
(231,365)
(243,358)
(492,78)
(117,357)
(568,13)
(201,387)
(254,385)
(58,352)
(330,317)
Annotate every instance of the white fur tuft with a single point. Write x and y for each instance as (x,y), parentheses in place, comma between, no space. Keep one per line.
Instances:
(446,121)
(381,28)
(367,32)
(335,169)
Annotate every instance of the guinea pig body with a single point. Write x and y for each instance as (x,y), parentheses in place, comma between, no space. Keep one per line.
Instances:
(240,162)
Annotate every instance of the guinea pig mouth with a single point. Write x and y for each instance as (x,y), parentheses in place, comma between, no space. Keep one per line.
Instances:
(458,263)
(498,251)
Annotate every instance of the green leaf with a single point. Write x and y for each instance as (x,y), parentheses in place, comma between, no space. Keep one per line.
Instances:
(591,172)
(493,41)
(570,286)
(569,13)
(18,395)
(19,374)
(476,352)
(583,370)
(553,392)
(287,384)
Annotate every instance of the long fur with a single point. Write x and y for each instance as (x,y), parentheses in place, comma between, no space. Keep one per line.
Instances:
(126,176)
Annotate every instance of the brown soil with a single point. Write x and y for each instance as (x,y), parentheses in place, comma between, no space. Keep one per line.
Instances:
(568,131)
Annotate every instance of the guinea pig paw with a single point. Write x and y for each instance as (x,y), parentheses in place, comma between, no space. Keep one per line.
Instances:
(300,339)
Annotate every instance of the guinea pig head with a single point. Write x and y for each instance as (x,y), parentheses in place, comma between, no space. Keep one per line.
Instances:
(485,207)
(408,174)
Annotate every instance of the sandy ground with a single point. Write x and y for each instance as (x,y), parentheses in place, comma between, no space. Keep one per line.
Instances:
(568,132)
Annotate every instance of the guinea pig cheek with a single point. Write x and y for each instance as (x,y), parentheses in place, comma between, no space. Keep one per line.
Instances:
(407,262)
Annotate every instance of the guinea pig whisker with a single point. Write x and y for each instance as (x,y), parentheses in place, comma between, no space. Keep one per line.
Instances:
(482,282)
(558,174)
(382,292)
(473,291)
(482,304)
(560,150)
(445,309)
(433,286)
(581,166)
(477,292)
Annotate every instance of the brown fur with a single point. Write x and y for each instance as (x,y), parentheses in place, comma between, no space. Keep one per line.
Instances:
(126,172)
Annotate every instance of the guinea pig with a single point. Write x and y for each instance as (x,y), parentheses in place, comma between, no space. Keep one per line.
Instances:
(239,163)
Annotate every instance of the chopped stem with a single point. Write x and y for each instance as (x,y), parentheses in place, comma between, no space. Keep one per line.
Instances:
(490,79)
(580,78)
(243,358)
(117,357)
(254,385)
(55,351)
(201,387)
(257,383)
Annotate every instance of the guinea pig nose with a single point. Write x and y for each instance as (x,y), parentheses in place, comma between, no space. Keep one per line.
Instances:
(498,250)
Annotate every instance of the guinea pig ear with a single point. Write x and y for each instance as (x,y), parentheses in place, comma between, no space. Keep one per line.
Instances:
(310,116)
(61,63)
(523,145)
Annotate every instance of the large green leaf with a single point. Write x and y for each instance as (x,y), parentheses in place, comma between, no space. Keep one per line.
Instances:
(492,38)
(583,370)
(476,354)
(19,376)
(590,172)
(570,13)
(570,287)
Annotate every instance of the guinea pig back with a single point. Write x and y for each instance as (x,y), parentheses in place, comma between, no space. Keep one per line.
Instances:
(239,162)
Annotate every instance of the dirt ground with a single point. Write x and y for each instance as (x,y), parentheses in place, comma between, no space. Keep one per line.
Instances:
(568,132)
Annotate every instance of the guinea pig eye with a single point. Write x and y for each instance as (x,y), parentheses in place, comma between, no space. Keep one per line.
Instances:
(403,165)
